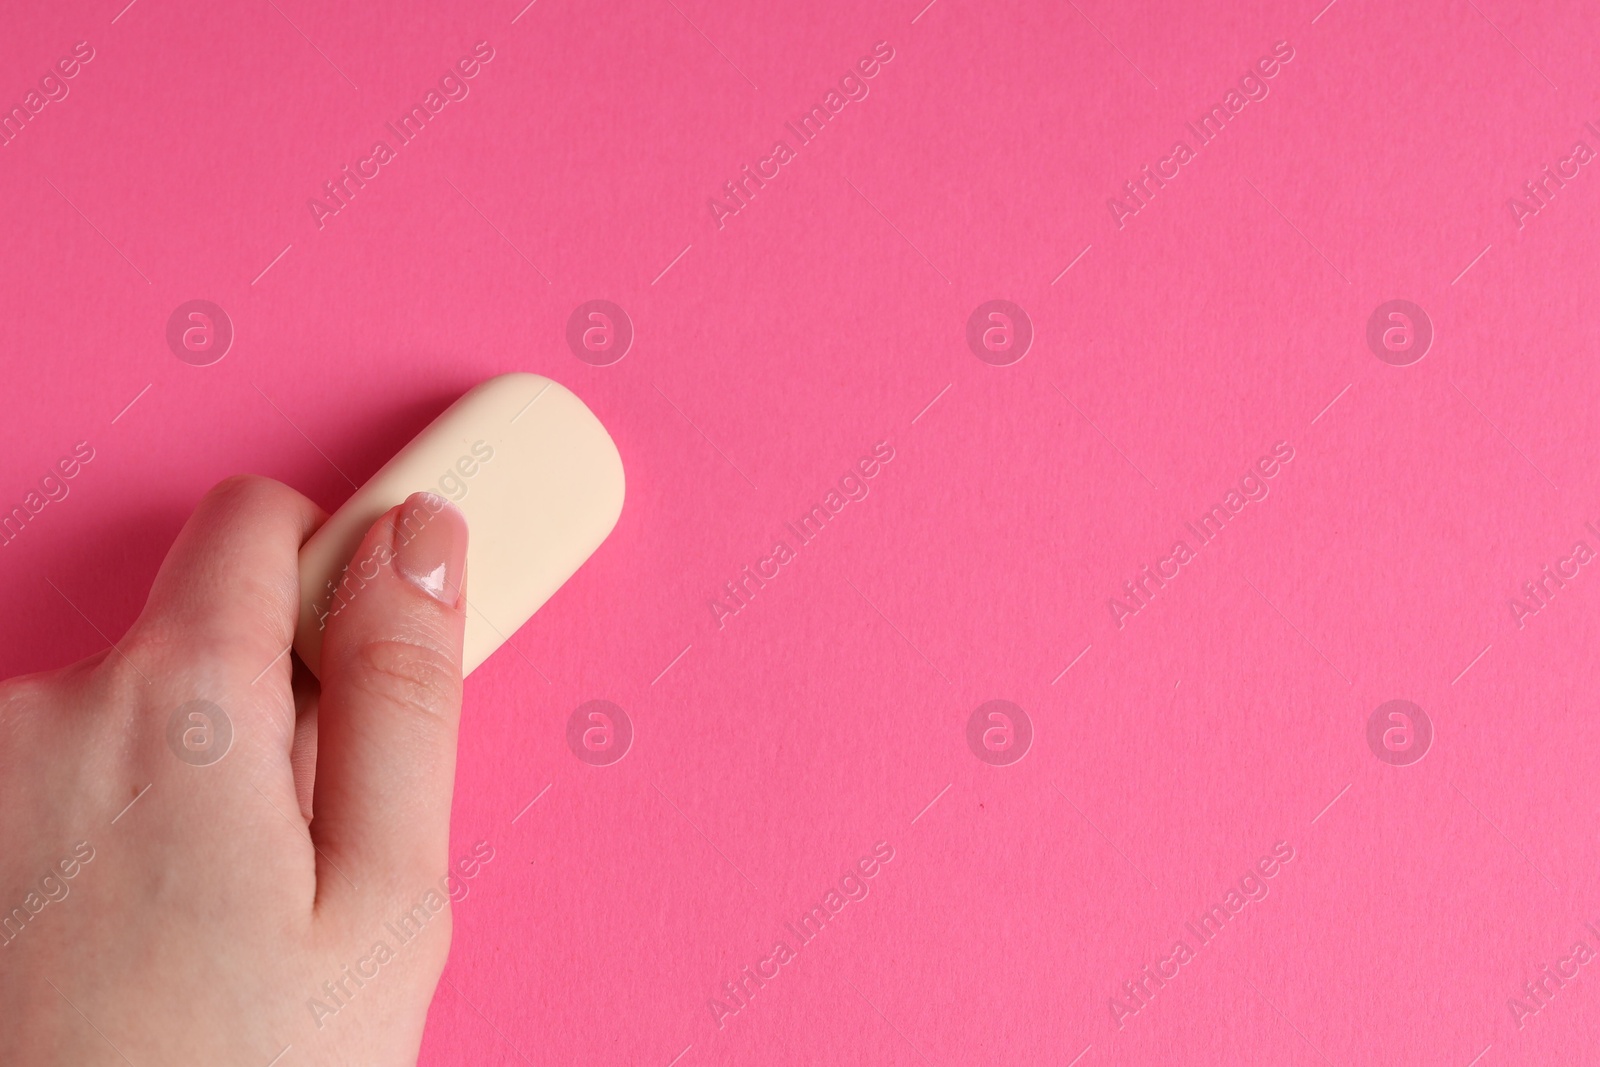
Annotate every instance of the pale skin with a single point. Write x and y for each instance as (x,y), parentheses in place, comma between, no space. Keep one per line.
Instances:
(217,905)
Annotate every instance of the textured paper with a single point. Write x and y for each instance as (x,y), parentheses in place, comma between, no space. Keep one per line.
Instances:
(749,362)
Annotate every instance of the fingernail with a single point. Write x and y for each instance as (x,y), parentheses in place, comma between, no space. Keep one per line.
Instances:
(430,544)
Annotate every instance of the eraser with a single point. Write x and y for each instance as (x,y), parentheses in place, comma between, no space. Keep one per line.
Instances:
(538,479)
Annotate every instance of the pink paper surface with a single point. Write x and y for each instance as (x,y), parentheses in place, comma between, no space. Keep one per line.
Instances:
(1178,340)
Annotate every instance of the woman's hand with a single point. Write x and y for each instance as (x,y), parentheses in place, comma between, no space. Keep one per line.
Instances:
(204,859)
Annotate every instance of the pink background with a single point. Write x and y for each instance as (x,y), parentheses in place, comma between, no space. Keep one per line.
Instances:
(824,317)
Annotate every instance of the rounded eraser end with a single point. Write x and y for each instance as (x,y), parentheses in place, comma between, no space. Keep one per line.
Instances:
(541,486)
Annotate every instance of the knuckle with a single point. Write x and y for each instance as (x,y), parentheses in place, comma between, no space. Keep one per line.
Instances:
(160,650)
(148,648)
(243,485)
(248,494)
(119,670)
(413,678)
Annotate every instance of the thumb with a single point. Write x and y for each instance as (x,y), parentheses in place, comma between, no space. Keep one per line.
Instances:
(391,701)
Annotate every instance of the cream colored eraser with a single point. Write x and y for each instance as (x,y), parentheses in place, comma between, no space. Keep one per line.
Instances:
(538,479)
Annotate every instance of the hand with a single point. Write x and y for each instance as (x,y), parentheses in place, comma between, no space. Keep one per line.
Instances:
(206,860)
